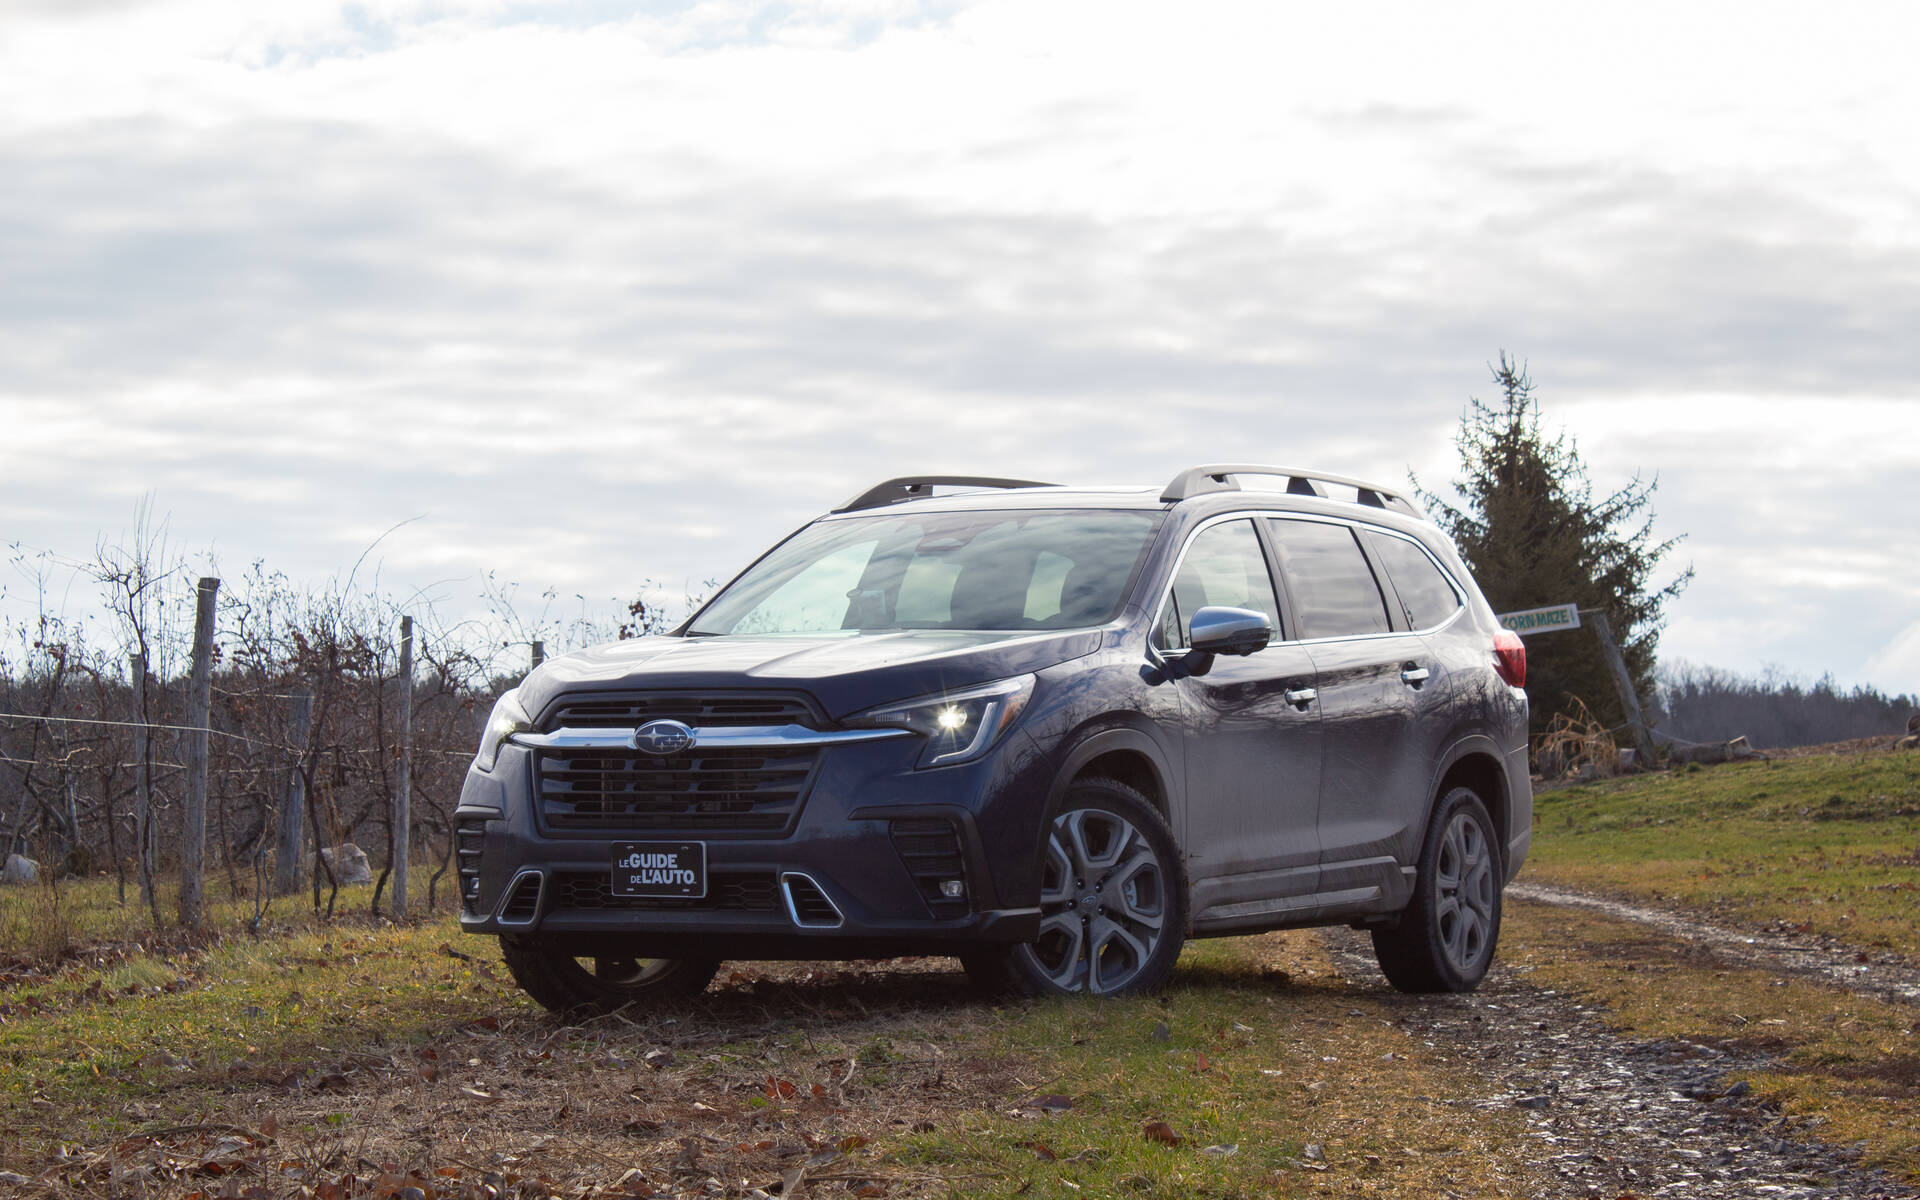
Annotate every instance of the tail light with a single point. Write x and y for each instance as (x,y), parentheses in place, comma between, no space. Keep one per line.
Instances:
(1510,657)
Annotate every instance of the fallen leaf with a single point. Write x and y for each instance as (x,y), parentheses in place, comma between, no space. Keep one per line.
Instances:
(1160,1131)
(780,1089)
(1041,1150)
(1204,1064)
(870,1190)
(850,1143)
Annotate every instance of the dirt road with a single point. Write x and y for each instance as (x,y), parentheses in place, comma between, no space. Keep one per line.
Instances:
(1618,1116)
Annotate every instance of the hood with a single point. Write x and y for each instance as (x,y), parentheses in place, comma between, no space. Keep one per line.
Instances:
(844,672)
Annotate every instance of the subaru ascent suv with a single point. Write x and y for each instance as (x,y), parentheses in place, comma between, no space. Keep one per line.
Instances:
(1053,732)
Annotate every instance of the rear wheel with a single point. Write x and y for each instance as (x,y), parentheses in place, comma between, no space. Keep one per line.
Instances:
(1446,937)
(588,986)
(1113,902)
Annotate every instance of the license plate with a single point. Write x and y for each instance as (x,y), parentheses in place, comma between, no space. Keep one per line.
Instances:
(676,869)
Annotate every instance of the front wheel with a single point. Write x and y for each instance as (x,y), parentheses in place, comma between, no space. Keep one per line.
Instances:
(1113,901)
(1445,939)
(575,987)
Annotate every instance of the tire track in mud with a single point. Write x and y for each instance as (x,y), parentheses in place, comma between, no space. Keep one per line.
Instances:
(1615,1116)
(1877,977)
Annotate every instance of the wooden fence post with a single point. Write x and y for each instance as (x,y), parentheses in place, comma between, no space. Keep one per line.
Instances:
(193,816)
(290,853)
(143,830)
(539,653)
(403,795)
(1623,683)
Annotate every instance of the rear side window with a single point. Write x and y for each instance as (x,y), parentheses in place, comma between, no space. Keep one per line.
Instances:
(1333,588)
(1224,566)
(1425,593)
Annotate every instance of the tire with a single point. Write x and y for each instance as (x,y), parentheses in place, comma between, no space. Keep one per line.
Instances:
(1113,901)
(574,988)
(1446,936)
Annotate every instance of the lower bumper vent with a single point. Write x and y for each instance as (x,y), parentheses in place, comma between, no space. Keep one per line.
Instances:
(744,892)
(930,848)
(807,904)
(469,839)
(523,899)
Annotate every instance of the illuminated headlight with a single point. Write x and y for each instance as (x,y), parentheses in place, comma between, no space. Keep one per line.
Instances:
(959,726)
(508,719)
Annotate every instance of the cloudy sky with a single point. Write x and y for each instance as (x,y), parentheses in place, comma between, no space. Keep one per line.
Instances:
(601,292)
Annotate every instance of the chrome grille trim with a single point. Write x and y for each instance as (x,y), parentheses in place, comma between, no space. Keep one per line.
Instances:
(743,737)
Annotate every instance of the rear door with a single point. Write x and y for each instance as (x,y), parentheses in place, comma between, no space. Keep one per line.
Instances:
(1372,675)
(1253,757)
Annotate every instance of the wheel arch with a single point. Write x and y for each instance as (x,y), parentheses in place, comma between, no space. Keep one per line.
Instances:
(1474,762)
(1127,755)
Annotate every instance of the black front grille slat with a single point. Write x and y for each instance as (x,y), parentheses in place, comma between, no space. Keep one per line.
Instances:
(713,790)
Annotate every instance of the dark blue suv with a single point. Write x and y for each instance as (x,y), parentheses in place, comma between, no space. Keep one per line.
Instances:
(1054,732)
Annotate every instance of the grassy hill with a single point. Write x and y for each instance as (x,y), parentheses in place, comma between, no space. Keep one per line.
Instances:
(1828,843)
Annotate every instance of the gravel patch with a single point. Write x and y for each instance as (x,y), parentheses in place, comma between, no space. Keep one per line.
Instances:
(1615,1116)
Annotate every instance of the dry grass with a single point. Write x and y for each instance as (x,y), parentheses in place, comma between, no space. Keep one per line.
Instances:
(358,1059)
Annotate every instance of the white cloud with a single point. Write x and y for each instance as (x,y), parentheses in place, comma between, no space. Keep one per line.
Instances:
(606,290)
(1897,664)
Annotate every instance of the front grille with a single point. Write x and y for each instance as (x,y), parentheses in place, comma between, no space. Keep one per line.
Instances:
(469,838)
(741,892)
(930,848)
(708,711)
(717,790)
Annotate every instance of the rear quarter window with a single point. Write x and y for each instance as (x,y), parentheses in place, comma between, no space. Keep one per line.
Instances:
(1426,595)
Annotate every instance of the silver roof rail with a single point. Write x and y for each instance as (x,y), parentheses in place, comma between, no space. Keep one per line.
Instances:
(1219,477)
(919,487)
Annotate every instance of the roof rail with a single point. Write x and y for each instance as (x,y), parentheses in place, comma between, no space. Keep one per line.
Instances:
(919,487)
(1219,477)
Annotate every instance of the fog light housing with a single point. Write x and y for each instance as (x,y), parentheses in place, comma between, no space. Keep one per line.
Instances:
(953,889)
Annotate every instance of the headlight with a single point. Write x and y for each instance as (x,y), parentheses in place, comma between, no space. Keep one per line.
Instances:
(508,719)
(959,726)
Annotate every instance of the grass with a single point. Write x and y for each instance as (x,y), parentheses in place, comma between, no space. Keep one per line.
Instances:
(1823,844)
(1850,1062)
(336,1057)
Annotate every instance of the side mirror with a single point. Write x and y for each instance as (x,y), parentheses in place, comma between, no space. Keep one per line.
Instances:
(1217,629)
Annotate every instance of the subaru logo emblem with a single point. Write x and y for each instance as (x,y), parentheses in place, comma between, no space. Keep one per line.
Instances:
(662,737)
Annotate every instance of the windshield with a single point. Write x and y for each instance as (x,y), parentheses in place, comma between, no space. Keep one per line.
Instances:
(973,570)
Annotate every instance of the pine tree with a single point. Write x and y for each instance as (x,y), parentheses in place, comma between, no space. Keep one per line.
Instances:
(1533,535)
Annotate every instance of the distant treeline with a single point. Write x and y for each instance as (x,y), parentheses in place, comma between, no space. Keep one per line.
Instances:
(1702,704)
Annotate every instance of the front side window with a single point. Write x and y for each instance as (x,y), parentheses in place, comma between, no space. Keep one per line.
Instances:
(1330,581)
(1223,566)
(996,570)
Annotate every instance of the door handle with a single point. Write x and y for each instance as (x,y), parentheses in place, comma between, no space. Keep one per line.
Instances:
(1414,676)
(1301,697)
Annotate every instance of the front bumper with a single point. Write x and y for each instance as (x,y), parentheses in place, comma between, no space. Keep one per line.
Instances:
(854,876)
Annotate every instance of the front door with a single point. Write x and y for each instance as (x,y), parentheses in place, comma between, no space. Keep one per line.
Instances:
(1253,754)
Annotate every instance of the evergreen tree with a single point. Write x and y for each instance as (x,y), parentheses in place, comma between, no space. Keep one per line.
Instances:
(1533,535)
